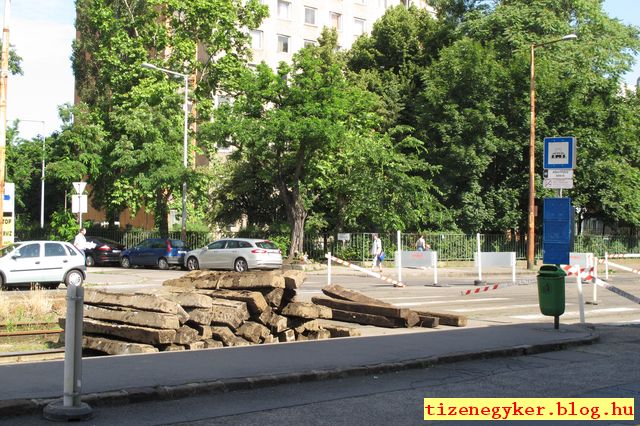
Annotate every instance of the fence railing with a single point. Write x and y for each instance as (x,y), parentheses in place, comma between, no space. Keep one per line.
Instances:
(357,246)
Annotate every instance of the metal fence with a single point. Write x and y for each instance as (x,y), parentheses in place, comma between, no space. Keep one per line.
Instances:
(356,247)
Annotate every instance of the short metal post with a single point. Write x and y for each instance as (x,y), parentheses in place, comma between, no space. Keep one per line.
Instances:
(556,322)
(71,407)
(399,261)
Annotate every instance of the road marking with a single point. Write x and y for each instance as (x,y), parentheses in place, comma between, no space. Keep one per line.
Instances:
(415,297)
(595,312)
(489,308)
(440,302)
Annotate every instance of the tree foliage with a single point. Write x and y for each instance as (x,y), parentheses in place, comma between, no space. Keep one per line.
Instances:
(312,136)
(139,111)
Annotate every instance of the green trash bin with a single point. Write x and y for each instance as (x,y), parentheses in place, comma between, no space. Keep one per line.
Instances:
(551,291)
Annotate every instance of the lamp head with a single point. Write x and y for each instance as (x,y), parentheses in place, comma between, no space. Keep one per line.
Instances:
(570,37)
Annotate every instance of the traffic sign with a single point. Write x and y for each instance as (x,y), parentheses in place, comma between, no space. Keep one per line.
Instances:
(558,174)
(78,203)
(79,187)
(560,153)
(558,183)
(8,204)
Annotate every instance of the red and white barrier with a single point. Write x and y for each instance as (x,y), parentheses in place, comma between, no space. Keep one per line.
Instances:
(573,270)
(330,258)
(608,256)
(496,286)
(618,291)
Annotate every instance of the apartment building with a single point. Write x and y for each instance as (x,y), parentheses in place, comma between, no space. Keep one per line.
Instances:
(294,24)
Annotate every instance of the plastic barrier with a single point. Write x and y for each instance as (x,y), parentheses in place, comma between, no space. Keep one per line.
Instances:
(330,258)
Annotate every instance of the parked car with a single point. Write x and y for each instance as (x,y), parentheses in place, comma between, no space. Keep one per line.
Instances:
(160,252)
(47,263)
(100,251)
(239,254)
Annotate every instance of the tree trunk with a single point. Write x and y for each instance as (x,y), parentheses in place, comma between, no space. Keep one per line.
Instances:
(296,216)
(162,213)
(299,216)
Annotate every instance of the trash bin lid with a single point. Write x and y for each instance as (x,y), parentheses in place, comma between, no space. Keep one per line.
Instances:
(551,271)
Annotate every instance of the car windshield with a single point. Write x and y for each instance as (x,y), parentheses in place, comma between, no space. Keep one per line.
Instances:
(8,249)
(177,243)
(266,245)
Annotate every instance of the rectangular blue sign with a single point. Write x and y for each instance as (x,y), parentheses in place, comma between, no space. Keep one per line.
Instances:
(560,153)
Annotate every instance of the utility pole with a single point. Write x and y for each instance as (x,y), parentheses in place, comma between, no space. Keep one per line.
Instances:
(4,73)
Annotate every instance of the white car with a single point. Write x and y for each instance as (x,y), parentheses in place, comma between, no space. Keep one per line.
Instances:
(239,254)
(47,263)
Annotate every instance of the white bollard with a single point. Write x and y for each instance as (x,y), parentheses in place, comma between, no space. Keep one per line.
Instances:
(513,267)
(329,268)
(580,296)
(595,280)
(435,268)
(479,259)
(399,262)
(606,266)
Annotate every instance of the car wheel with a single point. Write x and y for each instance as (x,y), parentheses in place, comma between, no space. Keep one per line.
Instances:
(74,277)
(162,263)
(125,262)
(192,264)
(2,285)
(240,265)
(90,261)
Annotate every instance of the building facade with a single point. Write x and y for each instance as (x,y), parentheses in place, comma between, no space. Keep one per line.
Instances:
(294,24)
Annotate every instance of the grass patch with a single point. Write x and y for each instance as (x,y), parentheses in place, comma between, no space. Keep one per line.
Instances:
(30,306)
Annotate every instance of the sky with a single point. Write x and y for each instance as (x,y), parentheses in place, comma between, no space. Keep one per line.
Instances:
(42,32)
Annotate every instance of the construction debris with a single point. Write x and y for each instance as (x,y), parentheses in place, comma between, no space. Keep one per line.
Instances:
(210,309)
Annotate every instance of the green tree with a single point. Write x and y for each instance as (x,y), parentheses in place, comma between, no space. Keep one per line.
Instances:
(205,39)
(310,135)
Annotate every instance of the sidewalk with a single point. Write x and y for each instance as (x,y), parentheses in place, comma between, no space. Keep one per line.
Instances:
(27,388)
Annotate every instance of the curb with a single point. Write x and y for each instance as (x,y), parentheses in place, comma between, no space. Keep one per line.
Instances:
(17,407)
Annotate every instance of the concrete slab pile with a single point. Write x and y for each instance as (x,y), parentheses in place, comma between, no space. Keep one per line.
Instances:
(206,309)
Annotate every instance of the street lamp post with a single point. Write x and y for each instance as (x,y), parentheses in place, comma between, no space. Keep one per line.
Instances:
(532,151)
(183,234)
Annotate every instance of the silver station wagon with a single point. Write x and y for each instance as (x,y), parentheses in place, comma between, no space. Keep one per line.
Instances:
(47,263)
(238,254)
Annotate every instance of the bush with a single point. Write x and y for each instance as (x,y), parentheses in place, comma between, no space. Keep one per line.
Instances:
(63,226)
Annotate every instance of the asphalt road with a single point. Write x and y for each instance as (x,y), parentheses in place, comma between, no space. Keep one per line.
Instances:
(604,369)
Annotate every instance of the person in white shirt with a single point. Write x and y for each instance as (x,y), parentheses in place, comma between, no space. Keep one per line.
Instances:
(376,251)
(80,242)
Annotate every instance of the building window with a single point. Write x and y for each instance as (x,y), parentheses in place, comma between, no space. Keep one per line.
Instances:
(336,21)
(308,43)
(283,43)
(309,16)
(382,3)
(284,9)
(256,39)
(358,26)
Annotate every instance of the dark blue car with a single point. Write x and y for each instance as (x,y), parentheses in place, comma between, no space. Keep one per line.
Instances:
(160,252)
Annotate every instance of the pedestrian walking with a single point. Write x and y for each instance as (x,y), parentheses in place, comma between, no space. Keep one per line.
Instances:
(421,244)
(376,252)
